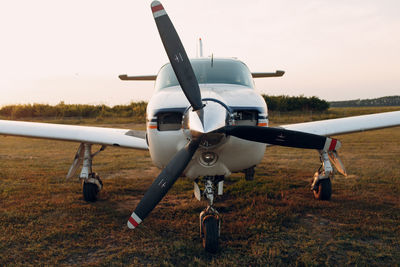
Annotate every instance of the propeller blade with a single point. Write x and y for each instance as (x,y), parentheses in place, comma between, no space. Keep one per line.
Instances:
(163,183)
(282,137)
(177,56)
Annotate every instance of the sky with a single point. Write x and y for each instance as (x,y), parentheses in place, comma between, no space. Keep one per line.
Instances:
(73,51)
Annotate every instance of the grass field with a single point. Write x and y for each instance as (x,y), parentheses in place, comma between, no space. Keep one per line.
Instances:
(272,220)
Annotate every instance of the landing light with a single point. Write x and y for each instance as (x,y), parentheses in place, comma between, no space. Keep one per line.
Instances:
(208,158)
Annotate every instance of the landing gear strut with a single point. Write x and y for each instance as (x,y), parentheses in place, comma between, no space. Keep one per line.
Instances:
(210,219)
(322,186)
(91,182)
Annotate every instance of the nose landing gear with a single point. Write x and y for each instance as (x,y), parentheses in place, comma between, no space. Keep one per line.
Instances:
(210,219)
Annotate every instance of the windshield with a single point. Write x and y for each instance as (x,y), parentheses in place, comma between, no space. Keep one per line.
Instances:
(226,71)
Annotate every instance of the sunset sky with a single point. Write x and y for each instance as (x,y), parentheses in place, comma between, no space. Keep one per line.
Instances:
(73,51)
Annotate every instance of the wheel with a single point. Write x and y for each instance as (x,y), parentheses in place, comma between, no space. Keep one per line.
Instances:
(210,231)
(249,174)
(90,191)
(323,190)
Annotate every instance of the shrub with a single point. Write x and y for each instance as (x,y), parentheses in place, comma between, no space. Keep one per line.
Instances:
(295,103)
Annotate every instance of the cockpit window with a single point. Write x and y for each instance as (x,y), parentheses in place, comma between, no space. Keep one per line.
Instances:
(225,71)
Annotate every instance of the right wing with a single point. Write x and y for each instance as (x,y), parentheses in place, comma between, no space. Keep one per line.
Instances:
(82,134)
(348,125)
(277,73)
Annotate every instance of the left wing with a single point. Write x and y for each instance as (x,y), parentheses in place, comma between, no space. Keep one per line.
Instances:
(83,134)
(343,126)
(125,77)
(348,125)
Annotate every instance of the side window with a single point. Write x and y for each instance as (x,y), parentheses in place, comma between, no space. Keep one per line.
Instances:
(169,121)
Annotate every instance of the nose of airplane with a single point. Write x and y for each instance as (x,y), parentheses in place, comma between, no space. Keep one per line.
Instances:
(212,117)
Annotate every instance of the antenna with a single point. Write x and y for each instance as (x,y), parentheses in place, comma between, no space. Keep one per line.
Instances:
(200,48)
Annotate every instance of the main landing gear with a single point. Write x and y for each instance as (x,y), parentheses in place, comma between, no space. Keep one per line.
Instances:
(210,219)
(321,185)
(91,187)
(91,182)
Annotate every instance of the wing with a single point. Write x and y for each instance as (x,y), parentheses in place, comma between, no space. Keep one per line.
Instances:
(277,73)
(125,77)
(83,134)
(348,125)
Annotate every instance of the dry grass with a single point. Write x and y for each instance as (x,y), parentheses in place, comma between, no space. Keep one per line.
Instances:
(272,220)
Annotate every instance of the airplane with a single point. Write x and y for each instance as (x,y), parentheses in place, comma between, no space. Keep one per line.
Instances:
(205,121)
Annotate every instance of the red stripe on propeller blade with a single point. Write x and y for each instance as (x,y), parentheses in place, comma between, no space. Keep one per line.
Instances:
(333,144)
(133,222)
(157,8)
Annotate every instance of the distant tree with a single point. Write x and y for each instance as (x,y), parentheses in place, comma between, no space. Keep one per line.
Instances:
(295,103)
(375,102)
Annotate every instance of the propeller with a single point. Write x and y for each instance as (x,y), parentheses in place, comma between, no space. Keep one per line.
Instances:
(177,56)
(204,121)
(282,137)
(163,183)
(188,82)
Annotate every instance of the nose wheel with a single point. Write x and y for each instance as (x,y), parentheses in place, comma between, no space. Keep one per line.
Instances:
(210,220)
(210,232)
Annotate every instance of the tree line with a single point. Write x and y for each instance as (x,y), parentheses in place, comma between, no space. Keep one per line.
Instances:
(62,110)
(138,109)
(295,103)
(376,102)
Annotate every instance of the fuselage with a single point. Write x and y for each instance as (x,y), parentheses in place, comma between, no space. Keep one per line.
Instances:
(224,82)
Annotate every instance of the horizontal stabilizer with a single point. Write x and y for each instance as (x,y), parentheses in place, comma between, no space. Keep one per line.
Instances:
(125,77)
(277,73)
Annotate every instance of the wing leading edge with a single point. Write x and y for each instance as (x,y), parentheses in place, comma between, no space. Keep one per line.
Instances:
(83,134)
(348,125)
(134,139)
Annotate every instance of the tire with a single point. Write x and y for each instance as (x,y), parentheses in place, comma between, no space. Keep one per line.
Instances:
(210,238)
(324,190)
(90,192)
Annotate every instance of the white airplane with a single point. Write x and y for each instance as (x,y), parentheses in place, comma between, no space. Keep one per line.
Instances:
(205,121)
